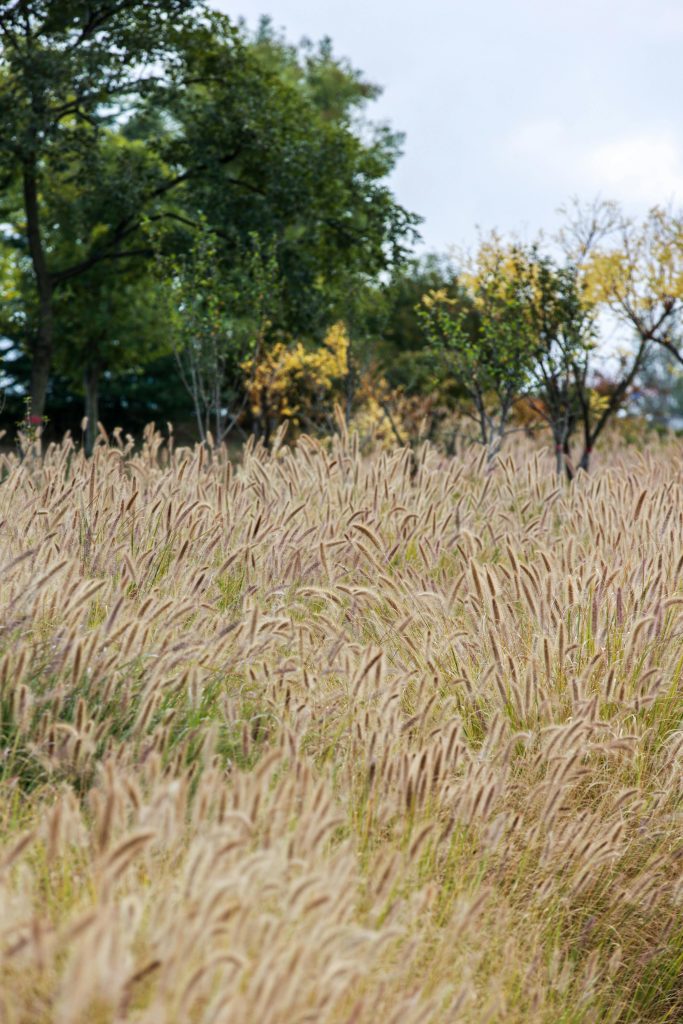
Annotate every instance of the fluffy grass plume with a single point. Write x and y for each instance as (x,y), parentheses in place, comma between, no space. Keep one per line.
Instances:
(326,738)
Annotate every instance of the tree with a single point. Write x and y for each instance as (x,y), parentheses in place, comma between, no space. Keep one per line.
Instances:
(166,112)
(66,70)
(634,272)
(634,269)
(482,336)
(219,320)
(310,177)
(562,333)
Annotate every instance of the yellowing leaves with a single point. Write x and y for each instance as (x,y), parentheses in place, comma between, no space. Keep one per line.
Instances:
(637,271)
(437,296)
(290,380)
(597,402)
(606,274)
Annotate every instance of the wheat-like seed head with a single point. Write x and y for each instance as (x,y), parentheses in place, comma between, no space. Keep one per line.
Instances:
(326,737)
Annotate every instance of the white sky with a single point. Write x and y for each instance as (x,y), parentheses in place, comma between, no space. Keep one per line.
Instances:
(510,107)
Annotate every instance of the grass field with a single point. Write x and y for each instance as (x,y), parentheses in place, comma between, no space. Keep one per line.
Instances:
(340,739)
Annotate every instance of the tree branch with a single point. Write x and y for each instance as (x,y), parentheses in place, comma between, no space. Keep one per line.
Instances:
(129,226)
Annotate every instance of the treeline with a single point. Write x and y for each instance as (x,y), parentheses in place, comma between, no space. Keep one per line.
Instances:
(143,141)
(196,226)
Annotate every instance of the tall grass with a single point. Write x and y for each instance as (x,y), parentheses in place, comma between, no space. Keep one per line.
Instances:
(339,738)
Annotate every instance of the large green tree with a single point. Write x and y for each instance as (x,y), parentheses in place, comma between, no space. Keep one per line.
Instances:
(67,69)
(309,175)
(115,115)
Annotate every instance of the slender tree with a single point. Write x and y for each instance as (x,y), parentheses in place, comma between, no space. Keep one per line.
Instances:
(219,319)
(563,337)
(634,272)
(482,337)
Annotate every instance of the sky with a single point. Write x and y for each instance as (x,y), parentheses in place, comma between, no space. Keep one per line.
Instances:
(511,107)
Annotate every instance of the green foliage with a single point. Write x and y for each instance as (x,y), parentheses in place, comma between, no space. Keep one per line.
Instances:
(391,318)
(520,325)
(562,323)
(181,199)
(120,116)
(482,336)
(218,318)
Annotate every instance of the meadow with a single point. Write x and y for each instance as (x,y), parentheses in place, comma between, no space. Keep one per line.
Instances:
(325,737)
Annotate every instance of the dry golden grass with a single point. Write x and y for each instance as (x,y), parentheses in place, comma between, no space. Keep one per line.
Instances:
(339,739)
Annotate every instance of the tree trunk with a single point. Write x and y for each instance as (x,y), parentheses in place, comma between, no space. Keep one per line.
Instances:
(563,463)
(41,359)
(43,344)
(492,449)
(559,458)
(569,468)
(495,442)
(91,379)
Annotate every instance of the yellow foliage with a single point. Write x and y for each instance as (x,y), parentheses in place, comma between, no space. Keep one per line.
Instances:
(640,272)
(495,269)
(436,296)
(597,402)
(289,379)
(369,419)
(302,385)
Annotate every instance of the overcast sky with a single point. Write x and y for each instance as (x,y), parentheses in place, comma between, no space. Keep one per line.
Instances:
(512,106)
